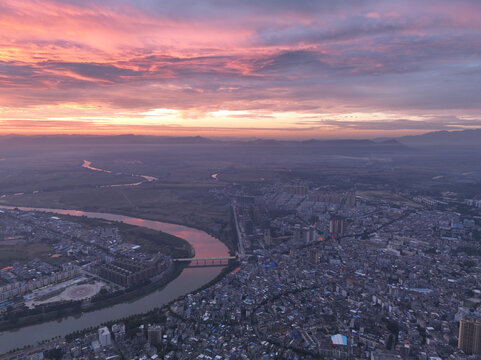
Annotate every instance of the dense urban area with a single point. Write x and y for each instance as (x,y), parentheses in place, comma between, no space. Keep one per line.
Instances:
(320,273)
(54,265)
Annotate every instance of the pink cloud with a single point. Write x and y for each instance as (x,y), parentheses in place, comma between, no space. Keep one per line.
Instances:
(270,56)
(372,15)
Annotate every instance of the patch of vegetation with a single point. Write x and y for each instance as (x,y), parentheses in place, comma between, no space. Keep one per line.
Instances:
(186,204)
(54,354)
(22,253)
(150,241)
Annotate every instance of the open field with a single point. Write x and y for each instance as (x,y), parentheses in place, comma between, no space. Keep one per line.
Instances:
(22,253)
(70,293)
(188,204)
(182,194)
(389,196)
(149,240)
(169,202)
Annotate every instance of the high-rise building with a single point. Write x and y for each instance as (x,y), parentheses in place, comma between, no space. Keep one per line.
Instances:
(351,199)
(267,237)
(469,339)
(312,233)
(305,234)
(249,227)
(104,336)
(337,225)
(297,233)
(314,256)
(309,234)
(154,335)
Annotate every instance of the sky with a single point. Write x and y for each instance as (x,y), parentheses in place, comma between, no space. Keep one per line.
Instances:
(230,68)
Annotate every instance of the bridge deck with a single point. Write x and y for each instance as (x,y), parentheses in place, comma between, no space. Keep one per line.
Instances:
(207,258)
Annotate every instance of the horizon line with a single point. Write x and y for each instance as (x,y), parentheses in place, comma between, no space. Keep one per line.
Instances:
(229,138)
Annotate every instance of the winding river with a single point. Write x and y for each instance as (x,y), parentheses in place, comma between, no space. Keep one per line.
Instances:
(189,280)
(88,165)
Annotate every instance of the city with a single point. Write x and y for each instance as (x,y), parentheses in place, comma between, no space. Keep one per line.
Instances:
(320,273)
(70,266)
(240,180)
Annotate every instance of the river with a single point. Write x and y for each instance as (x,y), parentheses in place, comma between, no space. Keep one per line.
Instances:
(189,280)
(88,165)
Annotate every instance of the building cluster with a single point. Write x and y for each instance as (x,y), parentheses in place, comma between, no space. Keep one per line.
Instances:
(20,288)
(324,274)
(473,202)
(69,253)
(127,272)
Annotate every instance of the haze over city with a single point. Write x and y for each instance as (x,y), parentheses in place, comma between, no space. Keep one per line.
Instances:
(240,180)
(275,69)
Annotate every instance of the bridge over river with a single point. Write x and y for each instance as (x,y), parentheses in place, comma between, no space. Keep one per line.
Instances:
(206,247)
(207,261)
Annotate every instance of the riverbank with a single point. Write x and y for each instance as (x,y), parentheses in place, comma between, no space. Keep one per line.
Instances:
(189,280)
(229,238)
(151,241)
(189,204)
(134,321)
(73,308)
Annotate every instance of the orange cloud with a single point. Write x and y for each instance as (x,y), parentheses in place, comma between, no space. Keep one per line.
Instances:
(117,60)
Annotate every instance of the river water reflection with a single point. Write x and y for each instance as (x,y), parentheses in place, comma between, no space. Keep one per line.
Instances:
(189,280)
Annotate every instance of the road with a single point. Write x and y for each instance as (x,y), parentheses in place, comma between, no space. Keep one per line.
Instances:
(240,235)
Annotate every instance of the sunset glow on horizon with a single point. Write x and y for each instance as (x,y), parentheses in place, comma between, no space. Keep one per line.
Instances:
(274,69)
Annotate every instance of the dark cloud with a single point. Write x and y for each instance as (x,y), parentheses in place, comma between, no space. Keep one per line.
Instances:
(317,35)
(92,70)
(228,10)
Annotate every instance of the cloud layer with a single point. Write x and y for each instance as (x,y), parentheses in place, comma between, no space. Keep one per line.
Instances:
(356,65)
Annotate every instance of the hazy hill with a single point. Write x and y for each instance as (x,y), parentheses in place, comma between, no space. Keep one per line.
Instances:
(462,139)
(100,139)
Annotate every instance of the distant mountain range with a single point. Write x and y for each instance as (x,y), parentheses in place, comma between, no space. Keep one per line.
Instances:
(101,139)
(463,138)
(338,143)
